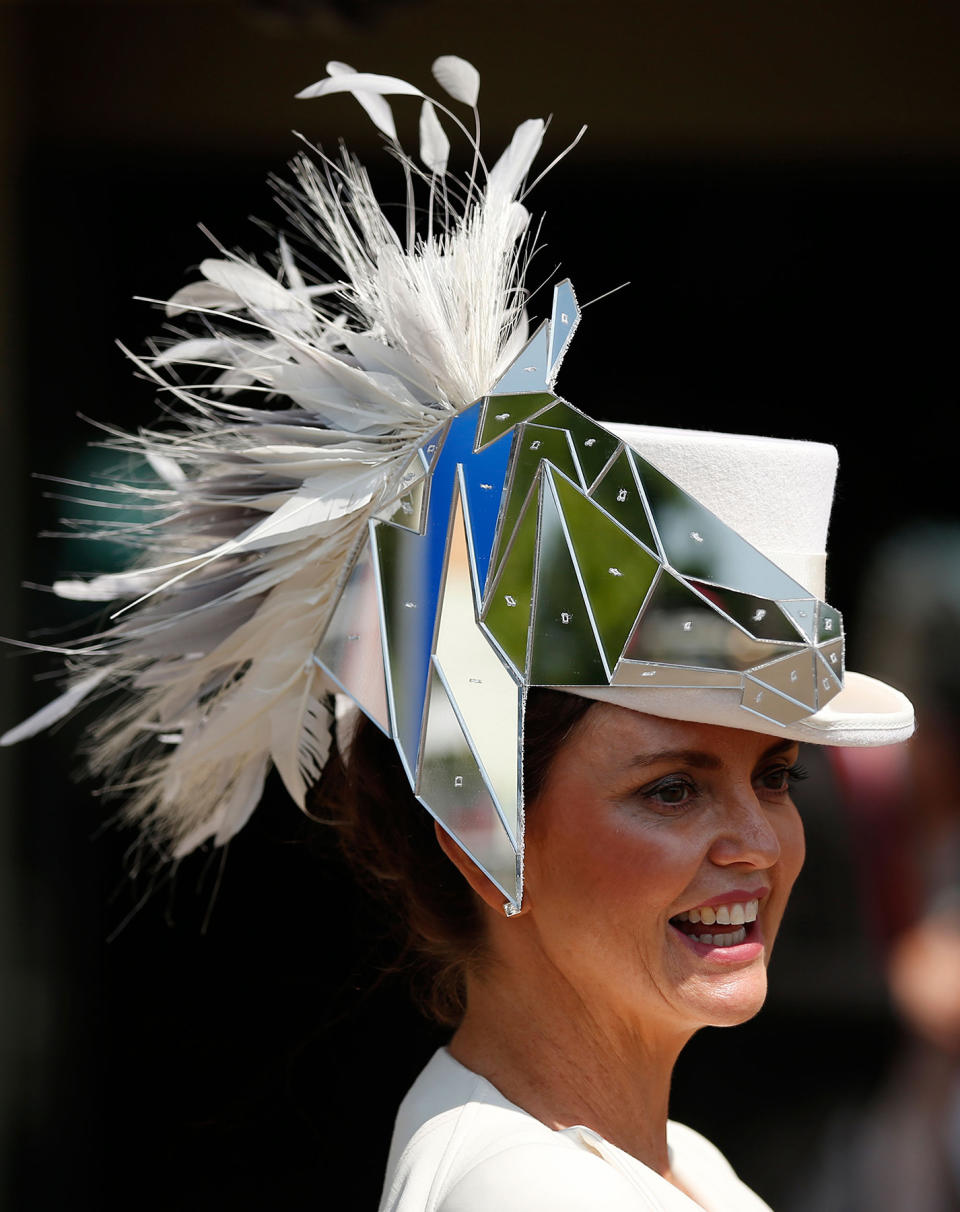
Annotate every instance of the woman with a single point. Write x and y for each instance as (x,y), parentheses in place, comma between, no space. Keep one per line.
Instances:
(424,527)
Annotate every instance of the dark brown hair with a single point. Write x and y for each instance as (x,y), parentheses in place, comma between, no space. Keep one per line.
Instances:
(388,838)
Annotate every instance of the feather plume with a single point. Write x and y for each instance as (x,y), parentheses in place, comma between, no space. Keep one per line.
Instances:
(296,408)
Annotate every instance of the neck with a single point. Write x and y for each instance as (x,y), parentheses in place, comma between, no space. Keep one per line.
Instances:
(567,1060)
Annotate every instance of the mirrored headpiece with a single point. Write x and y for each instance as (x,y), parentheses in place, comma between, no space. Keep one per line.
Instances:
(529,547)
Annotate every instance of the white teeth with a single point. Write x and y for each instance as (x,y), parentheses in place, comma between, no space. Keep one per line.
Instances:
(737,917)
(694,915)
(737,913)
(722,940)
(750,912)
(707,916)
(723,915)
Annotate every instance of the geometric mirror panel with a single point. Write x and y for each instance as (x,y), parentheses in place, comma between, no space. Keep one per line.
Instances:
(508,601)
(614,568)
(501,413)
(529,372)
(679,628)
(772,705)
(563,647)
(619,494)
(452,786)
(594,444)
(803,615)
(759,616)
(794,676)
(478,681)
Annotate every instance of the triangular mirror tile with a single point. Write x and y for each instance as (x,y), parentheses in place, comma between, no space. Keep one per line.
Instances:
(530,370)
(563,645)
(351,650)
(532,444)
(759,616)
(698,545)
(645,673)
(831,656)
(486,696)
(615,569)
(678,627)
(794,676)
(501,413)
(619,494)
(593,444)
(829,624)
(407,510)
(803,613)
(770,704)
(565,317)
(508,602)
(451,785)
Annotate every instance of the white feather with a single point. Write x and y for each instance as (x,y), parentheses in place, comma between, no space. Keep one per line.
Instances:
(458,78)
(434,144)
(359,82)
(508,174)
(378,110)
(55,711)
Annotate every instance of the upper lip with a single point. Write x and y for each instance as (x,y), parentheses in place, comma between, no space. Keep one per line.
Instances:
(736,896)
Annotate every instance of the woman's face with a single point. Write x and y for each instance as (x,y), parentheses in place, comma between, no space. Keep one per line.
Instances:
(643,826)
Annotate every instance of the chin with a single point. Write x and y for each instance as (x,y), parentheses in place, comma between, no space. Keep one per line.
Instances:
(738,1000)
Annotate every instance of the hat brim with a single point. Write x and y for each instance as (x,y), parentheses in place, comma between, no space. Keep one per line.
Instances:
(866,711)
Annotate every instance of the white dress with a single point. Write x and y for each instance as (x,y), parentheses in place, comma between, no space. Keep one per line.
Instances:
(460,1146)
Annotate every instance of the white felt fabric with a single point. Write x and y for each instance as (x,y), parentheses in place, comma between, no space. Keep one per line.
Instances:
(775,492)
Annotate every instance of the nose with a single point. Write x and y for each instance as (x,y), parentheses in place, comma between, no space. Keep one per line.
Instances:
(745,833)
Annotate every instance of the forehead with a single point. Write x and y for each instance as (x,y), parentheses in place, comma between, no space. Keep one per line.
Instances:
(612,734)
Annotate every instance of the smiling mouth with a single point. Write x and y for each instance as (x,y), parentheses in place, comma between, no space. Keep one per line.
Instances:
(720,925)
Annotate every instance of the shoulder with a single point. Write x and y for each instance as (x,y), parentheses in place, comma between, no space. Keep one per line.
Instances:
(701,1166)
(460,1146)
(689,1150)
(541,1176)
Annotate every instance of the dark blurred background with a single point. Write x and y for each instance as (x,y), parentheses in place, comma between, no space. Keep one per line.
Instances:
(779,183)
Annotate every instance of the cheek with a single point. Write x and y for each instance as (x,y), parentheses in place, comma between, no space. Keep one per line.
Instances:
(599,862)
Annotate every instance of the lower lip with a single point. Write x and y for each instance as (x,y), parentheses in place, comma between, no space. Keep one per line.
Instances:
(741,953)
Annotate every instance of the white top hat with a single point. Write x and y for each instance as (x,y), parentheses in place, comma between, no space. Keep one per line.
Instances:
(777,493)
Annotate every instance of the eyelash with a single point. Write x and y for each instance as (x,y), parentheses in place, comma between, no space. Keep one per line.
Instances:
(792,774)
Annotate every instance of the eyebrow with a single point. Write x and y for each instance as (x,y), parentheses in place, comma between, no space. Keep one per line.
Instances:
(700,759)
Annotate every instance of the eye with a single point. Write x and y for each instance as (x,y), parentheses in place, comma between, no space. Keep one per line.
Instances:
(780,778)
(674,791)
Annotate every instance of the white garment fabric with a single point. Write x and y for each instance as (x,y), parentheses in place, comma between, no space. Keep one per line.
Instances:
(460,1146)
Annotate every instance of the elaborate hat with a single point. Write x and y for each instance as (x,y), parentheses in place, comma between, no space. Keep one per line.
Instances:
(420,523)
